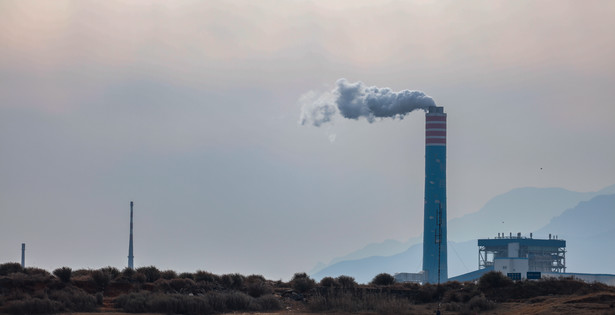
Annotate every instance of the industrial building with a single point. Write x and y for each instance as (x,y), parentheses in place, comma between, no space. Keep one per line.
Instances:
(522,257)
(515,253)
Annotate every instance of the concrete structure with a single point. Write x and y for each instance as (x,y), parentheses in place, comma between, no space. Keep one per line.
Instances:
(526,258)
(512,265)
(434,222)
(23,255)
(130,253)
(409,277)
(541,255)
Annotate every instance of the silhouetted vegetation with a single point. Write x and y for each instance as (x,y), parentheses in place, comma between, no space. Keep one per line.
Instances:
(346,282)
(383,279)
(36,291)
(302,283)
(151,273)
(63,273)
(217,302)
(9,268)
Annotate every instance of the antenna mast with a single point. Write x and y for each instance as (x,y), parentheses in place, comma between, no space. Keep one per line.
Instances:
(130,254)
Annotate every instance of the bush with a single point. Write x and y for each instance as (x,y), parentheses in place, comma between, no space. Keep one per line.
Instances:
(151,273)
(205,276)
(140,277)
(347,302)
(36,271)
(383,279)
(34,306)
(128,273)
(328,282)
(182,285)
(186,275)
(493,279)
(232,281)
(79,273)
(99,298)
(168,274)
(302,283)
(256,285)
(11,267)
(480,303)
(269,303)
(63,273)
(112,272)
(220,302)
(347,282)
(74,299)
(101,279)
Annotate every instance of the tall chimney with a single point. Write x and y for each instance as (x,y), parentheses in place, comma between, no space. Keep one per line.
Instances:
(23,255)
(434,226)
(130,254)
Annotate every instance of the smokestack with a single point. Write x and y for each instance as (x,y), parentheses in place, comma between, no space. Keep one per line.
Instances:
(434,227)
(130,254)
(23,255)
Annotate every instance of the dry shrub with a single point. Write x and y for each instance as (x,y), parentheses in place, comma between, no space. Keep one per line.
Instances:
(74,299)
(128,273)
(371,302)
(101,279)
(328,282)
(186,275)
(218,302)
(112,272)
(480,303)
(346,282)
(256,286)
(182,285)
(383,279)
(302,283)
(33,306)
(232,281)
(168,274)
(151,273)
(205,276)
(9,268)
(36,271)
(269,303)
(63,273)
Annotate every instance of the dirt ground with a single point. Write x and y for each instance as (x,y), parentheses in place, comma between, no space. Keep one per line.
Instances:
(594,303)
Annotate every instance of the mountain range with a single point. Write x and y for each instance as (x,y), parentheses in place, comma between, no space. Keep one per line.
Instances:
(583,219)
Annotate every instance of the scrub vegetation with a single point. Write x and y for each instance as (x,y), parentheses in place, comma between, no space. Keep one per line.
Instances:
(149,290)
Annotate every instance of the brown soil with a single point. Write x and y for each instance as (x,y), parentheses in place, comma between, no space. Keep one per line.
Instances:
(594,303)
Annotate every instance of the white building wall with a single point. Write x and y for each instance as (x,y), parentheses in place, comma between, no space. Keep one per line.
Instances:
(511,265)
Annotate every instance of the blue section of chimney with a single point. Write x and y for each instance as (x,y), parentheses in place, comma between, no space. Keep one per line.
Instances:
(434,226)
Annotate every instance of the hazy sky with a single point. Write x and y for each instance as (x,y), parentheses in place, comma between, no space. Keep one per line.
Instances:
(191,109)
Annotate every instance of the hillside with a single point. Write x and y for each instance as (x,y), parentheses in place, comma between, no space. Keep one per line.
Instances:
(588,230)
(587,226)
(509,210)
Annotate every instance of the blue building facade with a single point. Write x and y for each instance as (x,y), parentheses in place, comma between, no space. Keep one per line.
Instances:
(434,228)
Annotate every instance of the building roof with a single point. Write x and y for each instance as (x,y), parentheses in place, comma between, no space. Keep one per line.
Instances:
(522,242)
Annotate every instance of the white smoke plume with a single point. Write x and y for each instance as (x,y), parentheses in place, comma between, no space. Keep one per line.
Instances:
(355,100)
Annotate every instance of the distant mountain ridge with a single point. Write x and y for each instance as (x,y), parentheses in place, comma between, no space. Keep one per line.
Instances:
(522,210)
(589,230)
(537,210)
